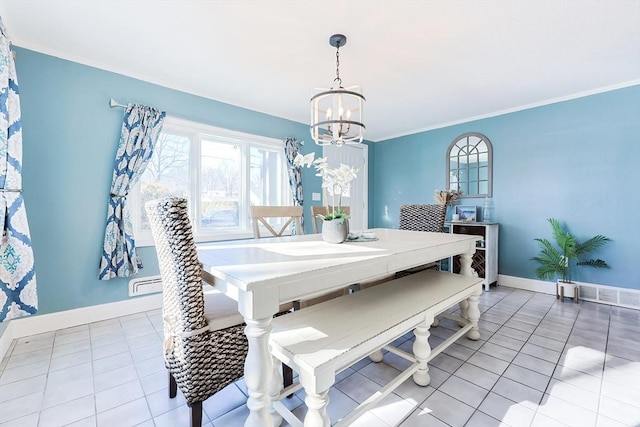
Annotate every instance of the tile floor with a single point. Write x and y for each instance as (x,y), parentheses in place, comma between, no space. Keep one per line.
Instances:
(539,363)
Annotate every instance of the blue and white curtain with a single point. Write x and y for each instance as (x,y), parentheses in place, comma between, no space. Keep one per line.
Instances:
(140,129)
(18,295)
(291,150)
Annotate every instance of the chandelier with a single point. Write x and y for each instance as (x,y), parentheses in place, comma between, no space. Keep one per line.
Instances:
(336,113)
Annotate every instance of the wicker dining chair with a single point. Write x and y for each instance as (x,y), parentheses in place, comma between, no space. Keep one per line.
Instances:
(422,218)
(204,342)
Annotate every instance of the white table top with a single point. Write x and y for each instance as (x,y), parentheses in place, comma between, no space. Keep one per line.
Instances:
(297,264)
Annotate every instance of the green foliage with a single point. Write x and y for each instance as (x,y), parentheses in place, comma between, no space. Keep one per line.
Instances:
(338,216)
(557,260)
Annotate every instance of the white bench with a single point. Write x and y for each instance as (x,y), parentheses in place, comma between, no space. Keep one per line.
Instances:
(324,339)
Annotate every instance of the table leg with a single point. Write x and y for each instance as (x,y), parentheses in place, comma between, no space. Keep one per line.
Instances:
(473,314)
(275,389)
(258,371)
(465,269)
(469,308)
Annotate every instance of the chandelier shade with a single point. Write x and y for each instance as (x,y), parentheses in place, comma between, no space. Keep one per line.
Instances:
(337,112)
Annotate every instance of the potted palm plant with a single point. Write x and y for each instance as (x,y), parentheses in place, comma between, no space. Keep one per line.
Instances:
(557,260)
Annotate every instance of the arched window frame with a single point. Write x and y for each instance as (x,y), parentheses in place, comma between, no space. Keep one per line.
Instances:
(466,148)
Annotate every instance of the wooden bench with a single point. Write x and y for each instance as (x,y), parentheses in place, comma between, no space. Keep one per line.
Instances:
(320,341)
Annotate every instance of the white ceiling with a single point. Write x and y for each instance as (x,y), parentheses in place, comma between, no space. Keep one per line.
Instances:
(421,64)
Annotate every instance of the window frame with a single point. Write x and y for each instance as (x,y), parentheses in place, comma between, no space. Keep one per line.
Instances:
(196,133)
(464,144)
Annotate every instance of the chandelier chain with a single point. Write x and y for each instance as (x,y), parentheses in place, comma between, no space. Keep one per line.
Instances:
(338,79)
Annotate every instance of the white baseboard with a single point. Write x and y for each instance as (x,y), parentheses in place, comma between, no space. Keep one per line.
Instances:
(6,339)
(26,326)
(527,284)
(592,292)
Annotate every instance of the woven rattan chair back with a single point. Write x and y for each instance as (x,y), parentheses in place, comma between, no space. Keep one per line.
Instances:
(323,210)
(422,217)
(201,361)
(262,214)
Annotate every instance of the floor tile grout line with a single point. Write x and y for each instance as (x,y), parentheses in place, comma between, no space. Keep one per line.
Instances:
(501,375)
(474,352)
(574,327)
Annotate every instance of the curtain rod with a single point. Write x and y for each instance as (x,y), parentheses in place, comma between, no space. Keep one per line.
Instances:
(114,103)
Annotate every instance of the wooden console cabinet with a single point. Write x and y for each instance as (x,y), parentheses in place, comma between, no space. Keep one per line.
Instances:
(485,260)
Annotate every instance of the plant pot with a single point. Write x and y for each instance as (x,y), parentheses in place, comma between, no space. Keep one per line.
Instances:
(567,290)
(335,231)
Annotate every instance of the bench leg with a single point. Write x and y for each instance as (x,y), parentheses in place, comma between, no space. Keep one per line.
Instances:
(473,314)
(422,350)
(376,356)
(317,415)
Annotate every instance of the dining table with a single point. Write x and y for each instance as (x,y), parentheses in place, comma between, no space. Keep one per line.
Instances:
(263,274)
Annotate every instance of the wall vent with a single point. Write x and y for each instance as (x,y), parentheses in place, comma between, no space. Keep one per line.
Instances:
(145,285)
(621,297)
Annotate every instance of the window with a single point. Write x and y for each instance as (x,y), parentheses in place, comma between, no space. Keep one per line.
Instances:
(220,172)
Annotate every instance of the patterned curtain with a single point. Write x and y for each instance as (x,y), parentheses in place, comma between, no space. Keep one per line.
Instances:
(140,129)
(18,295)
(291,150)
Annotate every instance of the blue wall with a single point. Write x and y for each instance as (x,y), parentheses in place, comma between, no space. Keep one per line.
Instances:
(577,161)
(564,160)
(70,136)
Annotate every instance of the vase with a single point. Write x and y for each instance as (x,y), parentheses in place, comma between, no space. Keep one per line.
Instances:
(335,231)
(566,290)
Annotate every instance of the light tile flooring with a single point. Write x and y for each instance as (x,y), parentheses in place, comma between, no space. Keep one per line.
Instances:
(539,363)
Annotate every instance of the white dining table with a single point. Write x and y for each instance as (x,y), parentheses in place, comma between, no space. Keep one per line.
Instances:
(262,274)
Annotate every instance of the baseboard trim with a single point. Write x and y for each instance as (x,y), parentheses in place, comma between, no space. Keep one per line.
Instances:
(39,324)
(527,284)
(6,339)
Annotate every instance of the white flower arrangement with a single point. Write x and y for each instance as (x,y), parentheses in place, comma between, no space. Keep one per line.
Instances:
(337,181)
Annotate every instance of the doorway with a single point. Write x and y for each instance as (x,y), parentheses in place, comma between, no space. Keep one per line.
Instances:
(357,197)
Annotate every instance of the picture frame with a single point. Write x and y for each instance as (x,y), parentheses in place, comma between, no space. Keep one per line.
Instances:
(466,213)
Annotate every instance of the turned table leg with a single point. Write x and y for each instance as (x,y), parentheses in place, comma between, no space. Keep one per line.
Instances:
(469,308)
(258,371)
(473,314)
(275,389)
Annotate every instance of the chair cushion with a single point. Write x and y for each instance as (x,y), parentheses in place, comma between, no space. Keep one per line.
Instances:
(220,311)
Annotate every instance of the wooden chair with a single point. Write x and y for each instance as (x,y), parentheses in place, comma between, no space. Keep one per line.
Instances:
(204,341)
(323,210)
(262,214)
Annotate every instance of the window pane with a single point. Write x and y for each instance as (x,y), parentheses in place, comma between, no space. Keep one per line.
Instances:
(265,172)
(484,173)
(473,174)
(220,184)
(167,173)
